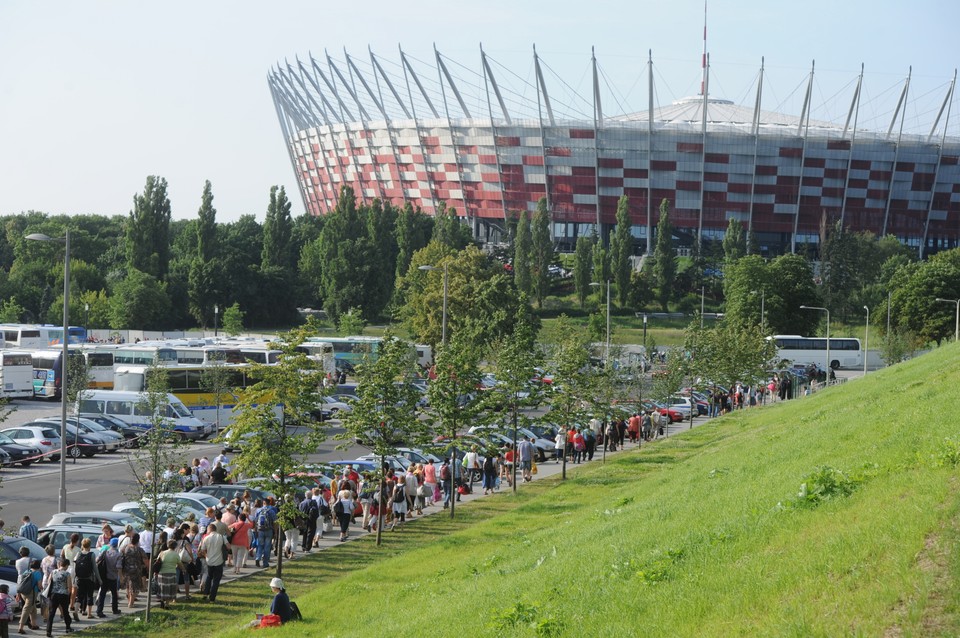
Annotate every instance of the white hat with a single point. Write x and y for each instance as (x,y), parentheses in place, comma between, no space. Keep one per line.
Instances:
(276,582)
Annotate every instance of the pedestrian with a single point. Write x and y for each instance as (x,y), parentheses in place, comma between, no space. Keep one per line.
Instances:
(213,548)
(105,536)
(166,566)
(28,530)
(430,480)
(559,442)
(219,474)
(28,592)
(646,425)
(579,446)
(310,512)
(133,567)
(590,441)
(525,457)
(446,482)
(399,498)
(291,528)
(489,474)
(61,586)
(239,537)
(47,566)
(108,564)
(7,605)
(343,509)
(266,519)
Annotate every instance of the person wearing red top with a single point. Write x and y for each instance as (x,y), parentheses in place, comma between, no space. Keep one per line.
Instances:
(507,469)
(240,541)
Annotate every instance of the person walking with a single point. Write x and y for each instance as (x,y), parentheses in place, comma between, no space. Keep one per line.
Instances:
(108,564)
(525,457)
(133,567)
(87,578)
(28,595)
(399,498)
(28,530)
(446,482)
(343,509)
(61,586)
(240,541)
(168,562)
(213,548)
(489,474)
(310,512)
(266,520)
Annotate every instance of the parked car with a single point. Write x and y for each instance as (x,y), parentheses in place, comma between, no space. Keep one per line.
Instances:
(130,434)
(685,405)
(416,455)
(59,535)
(43,437)
(330,408)
(78,443)
(95,517)
(396,463)
(111,440)
(10,552)
(230,491)
(675,415)
(179,503)
(25,455)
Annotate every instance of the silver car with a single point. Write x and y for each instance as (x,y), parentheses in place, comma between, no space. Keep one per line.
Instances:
(47,438)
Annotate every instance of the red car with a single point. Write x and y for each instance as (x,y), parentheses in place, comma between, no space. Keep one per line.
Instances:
(675,416)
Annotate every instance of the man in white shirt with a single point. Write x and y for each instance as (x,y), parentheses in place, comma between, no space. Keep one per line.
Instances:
(222,459)
(211,549)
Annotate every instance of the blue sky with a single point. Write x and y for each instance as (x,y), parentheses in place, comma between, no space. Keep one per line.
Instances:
(95,95)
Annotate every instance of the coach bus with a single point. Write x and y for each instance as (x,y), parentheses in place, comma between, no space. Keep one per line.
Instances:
(16,375)
(845,352)
(47,373)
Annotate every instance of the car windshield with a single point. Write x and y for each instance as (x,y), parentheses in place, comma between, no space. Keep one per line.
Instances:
(5,439)
(92,425)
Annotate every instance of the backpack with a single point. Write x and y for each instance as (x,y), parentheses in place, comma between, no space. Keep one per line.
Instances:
(102,566)
(295,611)
(445,472)
(263,520)
(7,608)
(25,583)
(338,508)
(84,565)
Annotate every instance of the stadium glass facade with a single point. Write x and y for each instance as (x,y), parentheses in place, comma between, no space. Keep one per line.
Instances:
(782,176)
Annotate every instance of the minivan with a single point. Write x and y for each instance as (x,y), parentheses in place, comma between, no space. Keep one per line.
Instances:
(132,408)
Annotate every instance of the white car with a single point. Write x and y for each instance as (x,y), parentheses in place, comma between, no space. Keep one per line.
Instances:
(47,438)
(178,504)
(683,405)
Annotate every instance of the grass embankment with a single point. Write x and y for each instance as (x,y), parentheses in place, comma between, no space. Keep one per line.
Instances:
(682,538)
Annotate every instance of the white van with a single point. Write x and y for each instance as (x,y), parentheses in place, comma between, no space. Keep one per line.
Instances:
(130,407)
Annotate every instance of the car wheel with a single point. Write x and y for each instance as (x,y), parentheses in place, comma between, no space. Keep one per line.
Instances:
(26,463)
(54,458)
(75,452)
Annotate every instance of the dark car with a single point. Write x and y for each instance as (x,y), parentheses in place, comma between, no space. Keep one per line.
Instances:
(78,443)
(10,552)
(131,435)
(17,453)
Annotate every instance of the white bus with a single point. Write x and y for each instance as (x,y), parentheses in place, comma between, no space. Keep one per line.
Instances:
(130,408)
(16,375)
(845,352)
(140,354)
(98,363)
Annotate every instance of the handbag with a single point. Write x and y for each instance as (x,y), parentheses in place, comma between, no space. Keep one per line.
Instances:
(157,564)
(423,491)
(194,568)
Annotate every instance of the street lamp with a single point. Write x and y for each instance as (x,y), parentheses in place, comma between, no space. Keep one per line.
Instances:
(86,316)
(62,499)
(763,311)
(866,341)
(216,311)
(956,329)
(827,369)
(606,355)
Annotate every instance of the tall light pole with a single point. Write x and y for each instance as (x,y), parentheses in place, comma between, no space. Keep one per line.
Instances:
(866,340)
(827,369)
(453,438)
(216,312)
(956,329)
(86,317)
(62,498)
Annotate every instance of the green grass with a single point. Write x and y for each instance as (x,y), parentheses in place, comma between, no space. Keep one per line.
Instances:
(699,535)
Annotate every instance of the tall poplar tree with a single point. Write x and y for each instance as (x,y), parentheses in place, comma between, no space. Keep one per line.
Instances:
(148,230)
(542,252)
(204,275)
(582,268)
(665,257)
(278,232)
(734,241)
(621,247)
(522,250)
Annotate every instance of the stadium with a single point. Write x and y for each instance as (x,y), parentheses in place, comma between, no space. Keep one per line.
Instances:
(488,143)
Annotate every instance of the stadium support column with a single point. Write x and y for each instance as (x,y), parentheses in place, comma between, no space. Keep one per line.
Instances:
(347,119)
(896,148)
(488,79)
(408,72)
(802,129)
(649,149)
(855,113)
(341,118)
(352,89)
(936,170)
(703,145)
(542,91)
(453,144)
(287,142)
(597,125)
(391,133)
(323,109)
(755,130)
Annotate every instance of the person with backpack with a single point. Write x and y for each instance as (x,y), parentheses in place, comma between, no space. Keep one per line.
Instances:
(60,586)
(28,586)
(399,498)
(266,519)
(446,482)
(87,578)
(310,512)
(108,564)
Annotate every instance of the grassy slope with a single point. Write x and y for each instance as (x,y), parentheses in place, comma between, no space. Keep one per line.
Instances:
(684,538)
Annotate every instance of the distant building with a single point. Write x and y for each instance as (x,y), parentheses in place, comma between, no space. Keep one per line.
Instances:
(392,133)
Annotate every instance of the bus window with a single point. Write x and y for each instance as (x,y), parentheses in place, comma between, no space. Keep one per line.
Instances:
(119,407)
(142,409)
(91,406)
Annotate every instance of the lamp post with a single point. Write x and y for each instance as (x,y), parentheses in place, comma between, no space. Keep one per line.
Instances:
(956,329)
(453,448)
(86,316)
(827,369)
(866,340)
(216,311)
(62,498)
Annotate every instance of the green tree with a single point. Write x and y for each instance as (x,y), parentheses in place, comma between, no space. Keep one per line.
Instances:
(448,230)
(747,282)
(583,268)
(233,320)
(567,355)
(452,395)
(351,323)
(621,248)
(382,252)
(219,380)
(285,395)
(277,232)
(734,241)
(543,254)
(523,250)
(915,288)
(11,311)
(729,352)
(139,300)
(386,409)
(665,258)
(148,230)
(413,230)
(343,251)
(207,225)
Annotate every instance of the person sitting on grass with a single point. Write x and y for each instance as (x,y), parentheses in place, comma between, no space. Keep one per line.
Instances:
(280,609)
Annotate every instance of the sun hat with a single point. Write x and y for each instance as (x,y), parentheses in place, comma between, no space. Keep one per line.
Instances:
(276,582)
